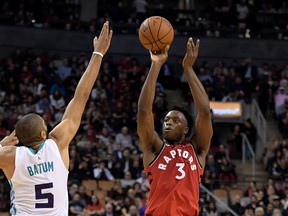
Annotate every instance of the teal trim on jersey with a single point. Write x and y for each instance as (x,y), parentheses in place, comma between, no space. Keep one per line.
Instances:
(12,193)
(40,147)
(13,209)
(32,151)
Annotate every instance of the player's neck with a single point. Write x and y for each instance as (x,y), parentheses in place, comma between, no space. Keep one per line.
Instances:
(174,143)
(35,146)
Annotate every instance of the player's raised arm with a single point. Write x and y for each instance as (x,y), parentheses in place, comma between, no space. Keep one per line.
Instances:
(7,150)
(203,125)
(64,132)
(149,139)
(10,140)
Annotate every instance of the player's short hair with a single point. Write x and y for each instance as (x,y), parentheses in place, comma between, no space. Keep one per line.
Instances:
(188,116)
(28,129)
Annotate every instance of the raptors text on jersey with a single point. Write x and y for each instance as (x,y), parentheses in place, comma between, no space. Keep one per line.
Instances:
(174,176)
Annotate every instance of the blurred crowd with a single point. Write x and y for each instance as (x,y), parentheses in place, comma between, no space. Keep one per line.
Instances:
(266,198)
(217,18)
(106,145)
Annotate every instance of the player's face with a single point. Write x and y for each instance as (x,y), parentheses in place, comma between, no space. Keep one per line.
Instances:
(174,127)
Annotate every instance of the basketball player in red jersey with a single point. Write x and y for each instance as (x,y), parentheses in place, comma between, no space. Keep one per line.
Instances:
(174,166)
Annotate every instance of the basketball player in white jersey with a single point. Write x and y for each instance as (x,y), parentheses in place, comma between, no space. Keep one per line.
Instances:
(38,171)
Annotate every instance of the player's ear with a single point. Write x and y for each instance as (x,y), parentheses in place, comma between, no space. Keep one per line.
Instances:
(186,130)
(43,134)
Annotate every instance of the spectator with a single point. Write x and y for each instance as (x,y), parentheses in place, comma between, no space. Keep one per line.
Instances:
(109,162)
(235,142)
(75,205)
(237,207)
(277,202)
(207,180)
(127,161)
(221,153)
(119,116)
(140,7)
(64,70)
(84,198)
(269,209)
(279,100)
(127,181)
(109,210)
(117,170)
(85,169)
(94,206)
(277,212)
(253,203)
(104,136)
(249,211)
(262,199)
(227,172)
(137,190)
(133,211)
(102,172)
(250,74)
(43,103)
(252,189)
(124,138)
(270,192)
(280,170)
(259,211)
(251,132)
(212,166)
(264,92)
(96,120)
(243,11)
(137,166)
(57,101)
(212,210)
(241,91)
(117,192)
(143,181)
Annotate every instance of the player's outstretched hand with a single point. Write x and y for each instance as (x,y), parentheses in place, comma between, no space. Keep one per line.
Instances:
(191,53)
(10,140)
(102,42)
(160,57)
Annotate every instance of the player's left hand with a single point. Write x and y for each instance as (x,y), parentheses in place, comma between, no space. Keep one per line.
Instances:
(102,43)
(11,140)
(191,53)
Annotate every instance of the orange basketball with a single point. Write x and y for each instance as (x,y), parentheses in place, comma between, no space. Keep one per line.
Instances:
(155,33)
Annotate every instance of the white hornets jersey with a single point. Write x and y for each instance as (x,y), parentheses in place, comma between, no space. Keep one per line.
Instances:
(39,182)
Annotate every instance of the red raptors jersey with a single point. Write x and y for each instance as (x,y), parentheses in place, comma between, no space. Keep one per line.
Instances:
(174,176)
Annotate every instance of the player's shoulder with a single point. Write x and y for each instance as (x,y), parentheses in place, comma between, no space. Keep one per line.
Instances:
(8,149)
(7,155)
(50,142)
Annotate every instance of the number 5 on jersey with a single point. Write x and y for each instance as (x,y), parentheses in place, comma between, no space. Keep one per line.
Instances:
(40,196)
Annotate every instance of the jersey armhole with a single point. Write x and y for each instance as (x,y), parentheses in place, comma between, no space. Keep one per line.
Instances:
(200,165)
(157,155)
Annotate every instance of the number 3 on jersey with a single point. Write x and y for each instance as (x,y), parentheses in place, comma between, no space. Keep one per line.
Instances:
(40,196)
(180,169)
